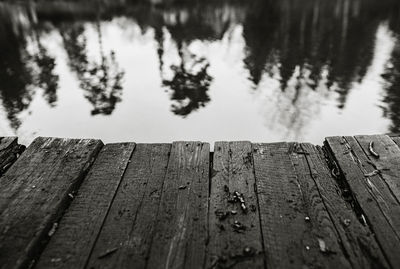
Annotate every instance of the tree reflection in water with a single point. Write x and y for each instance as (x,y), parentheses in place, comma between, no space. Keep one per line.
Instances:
(46,77)
(102,82)
(392,77)
(300,44)
(189,84)
(20,69)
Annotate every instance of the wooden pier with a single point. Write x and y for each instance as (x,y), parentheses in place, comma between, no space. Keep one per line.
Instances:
(76,203)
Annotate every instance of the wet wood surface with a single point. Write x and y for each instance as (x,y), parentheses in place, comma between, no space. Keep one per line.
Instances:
(72,244)
(234,227)
(73,203)
(378,207)
(9,152)
(131,222)
(34,193)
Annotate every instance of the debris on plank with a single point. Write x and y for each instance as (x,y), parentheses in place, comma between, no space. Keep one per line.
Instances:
(238,227)
(53,229)
(364,221)
(249,251)
(182,187)
(371,149)
(373,173)
(370,183)
(335,173)
(322,245)
(239,197)
(346,222)
(107,253)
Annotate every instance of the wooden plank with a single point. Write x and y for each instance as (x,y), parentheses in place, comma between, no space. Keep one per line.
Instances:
(380,208)
(356,239)
(234,227)
(388,162)
(181,231)
(297,230)
(34,194)
(79,228)
(324,236)
(129,227)
(9,152)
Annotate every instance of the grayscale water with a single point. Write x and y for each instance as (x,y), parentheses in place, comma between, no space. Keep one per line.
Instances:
(158,71)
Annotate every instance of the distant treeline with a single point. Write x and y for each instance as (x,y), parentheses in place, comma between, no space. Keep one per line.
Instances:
(314,36)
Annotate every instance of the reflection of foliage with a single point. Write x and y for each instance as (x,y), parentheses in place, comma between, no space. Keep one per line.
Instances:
(392,99)
(282,38)
(313,35)
(189,86)
(20,71)
(15,74)
(46,79)
(100,81)
(391,108)
(15,77)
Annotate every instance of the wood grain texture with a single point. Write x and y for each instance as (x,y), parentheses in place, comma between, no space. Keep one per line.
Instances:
(356,239)
(9,152)
(297,230)
(129,227)
(323,233)
(34,194)
(388,162)
(181,231)
(78,229)
(380,208)
(235,235)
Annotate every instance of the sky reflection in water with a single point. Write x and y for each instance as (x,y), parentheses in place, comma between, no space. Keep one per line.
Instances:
(265,71)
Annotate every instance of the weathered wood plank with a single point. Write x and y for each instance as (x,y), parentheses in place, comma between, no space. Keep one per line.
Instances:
(181,231)
(381,209)
(9,152)
(296,227)
(78,229)
(277,187)
(234,227)
(388,161)
(324,237)
(357,240)
(129,227)
(34,194)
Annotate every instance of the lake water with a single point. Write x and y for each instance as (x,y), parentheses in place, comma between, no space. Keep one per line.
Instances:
(221,70)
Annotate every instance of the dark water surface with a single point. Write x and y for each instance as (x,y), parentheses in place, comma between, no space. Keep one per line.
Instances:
(198,70)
